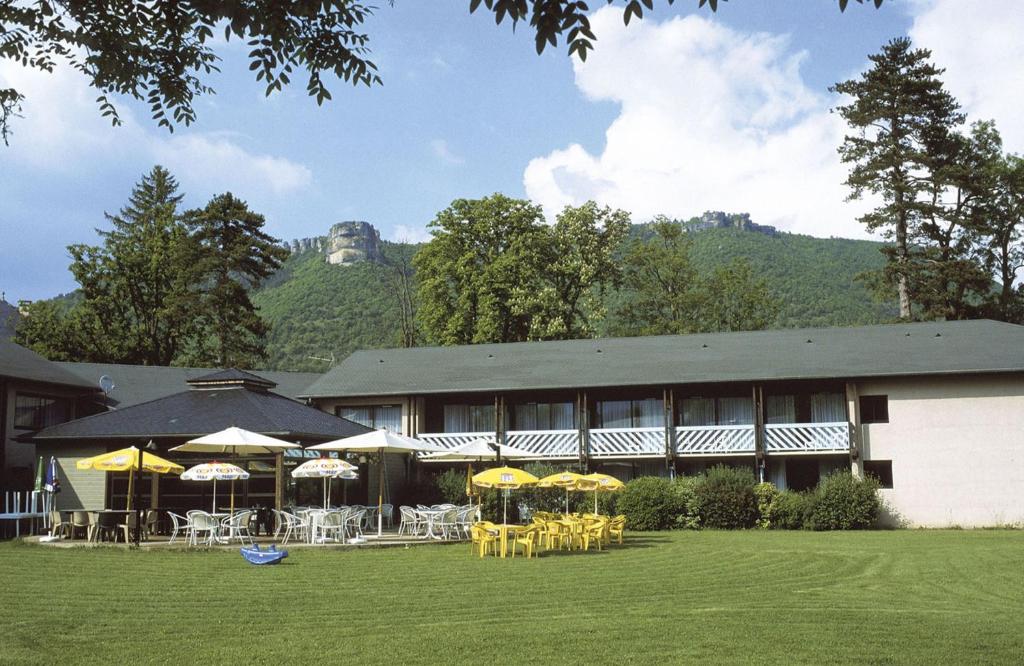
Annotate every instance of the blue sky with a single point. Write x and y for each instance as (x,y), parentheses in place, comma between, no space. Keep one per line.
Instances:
(683,112)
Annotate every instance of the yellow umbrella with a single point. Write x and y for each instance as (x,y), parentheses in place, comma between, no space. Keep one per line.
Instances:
(128,459)
(599,483)
(567,480)
(504,478)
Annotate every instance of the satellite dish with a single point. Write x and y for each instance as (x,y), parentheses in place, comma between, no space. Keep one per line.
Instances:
(107,383)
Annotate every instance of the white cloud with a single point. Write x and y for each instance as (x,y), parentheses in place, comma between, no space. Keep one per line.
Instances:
(710,118)
(982,49)
(444,152)
(63,132)
(402,233)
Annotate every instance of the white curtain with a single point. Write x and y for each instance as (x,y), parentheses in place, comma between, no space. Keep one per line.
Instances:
(828,407)
(649,413)
(388,416)
(526,417)
(481,418)
(781,409)
(735,411)
(698,411)
(360,415)
(456,418)
(562,414)
(615,414)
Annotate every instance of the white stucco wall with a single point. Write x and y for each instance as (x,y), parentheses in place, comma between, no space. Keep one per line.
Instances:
(956,446)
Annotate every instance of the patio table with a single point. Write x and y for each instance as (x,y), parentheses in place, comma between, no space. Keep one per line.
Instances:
(503,531)
(431,516)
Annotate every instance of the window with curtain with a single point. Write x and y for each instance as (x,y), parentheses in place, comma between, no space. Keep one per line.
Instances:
(698,411)
(735,411)
(456,418)
(543,416)
(717,411)
(33,412)
(780,409)
(646,413)
(481,418)
(374,416)
(828,407)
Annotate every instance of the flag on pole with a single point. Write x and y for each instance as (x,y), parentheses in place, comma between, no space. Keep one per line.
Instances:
(52,483)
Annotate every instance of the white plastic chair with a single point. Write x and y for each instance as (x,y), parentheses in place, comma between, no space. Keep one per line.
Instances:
(178,524)
(202,522)
(410,524)
(237,526)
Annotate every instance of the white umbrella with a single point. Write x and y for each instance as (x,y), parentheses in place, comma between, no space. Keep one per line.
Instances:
(326,469)
(235,440)
(216,471)
(378,441)
(479,449)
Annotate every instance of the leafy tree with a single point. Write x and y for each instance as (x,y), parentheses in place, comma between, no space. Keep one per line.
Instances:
(666,295)
(578,262)
(235,256)
(1004,239)
(478,274)
(47,329)
(901,114)
(138,286)
(659,277)
(733,298)
(161,53)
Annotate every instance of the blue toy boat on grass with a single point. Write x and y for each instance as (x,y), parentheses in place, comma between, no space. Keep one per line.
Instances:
(254,555)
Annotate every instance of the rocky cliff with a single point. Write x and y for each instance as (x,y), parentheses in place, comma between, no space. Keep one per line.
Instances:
(716,219)
(348,242)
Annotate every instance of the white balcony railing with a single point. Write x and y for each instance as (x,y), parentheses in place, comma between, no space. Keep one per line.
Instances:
(724,440)
(627,442)
(717,440)
(806,437)
(546,443)
(450,440)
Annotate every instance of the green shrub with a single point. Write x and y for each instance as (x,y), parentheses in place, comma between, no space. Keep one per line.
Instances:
(684,503)
(451,485)
(765,494)
(648,503)
(789,509)
(844,502)
(725,498)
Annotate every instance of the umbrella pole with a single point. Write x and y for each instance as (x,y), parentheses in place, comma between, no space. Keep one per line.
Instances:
(215,494)
(380,498)
(595,501)
(232,509)
(128,500)
(567,499)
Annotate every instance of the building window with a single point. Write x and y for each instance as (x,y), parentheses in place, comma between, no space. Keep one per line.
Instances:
(469,418)
(874,409)
(32,412)
(544,416)
(647,413)
(717,411)
(388,417)
(828,407)
(881,470)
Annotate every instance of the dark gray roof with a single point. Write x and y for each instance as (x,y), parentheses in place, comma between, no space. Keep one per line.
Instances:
(21,363)
(823,353)
(197,412)
(232,376)
(134,384)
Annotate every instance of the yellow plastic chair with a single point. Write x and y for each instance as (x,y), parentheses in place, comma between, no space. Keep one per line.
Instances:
(527,539)
(482,540)
(595,532)
(556,534)
(616,527)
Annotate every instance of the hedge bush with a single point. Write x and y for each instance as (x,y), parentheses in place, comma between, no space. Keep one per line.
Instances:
(684,499)
(765,494)
(725,498)
(844,502)
(452,486)
(648,503)
(788,510)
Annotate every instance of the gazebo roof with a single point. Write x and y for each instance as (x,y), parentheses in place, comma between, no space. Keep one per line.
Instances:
(218,401)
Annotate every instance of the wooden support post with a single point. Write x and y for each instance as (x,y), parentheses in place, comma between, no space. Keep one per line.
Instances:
(668,400)
(154,491)
(584,426)
(854,429)
(279,481)
(759,451)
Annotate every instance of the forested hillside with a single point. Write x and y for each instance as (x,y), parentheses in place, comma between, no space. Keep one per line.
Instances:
(318,311)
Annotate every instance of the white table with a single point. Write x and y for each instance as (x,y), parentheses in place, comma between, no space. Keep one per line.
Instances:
(431,516)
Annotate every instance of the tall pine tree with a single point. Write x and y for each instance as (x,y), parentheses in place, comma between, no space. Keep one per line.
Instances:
(900,113)
(236,255)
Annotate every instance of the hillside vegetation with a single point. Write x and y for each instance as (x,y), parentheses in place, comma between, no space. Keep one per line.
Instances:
(318,311)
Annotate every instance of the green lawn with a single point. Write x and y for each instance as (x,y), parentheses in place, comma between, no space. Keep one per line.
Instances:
(774,597)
